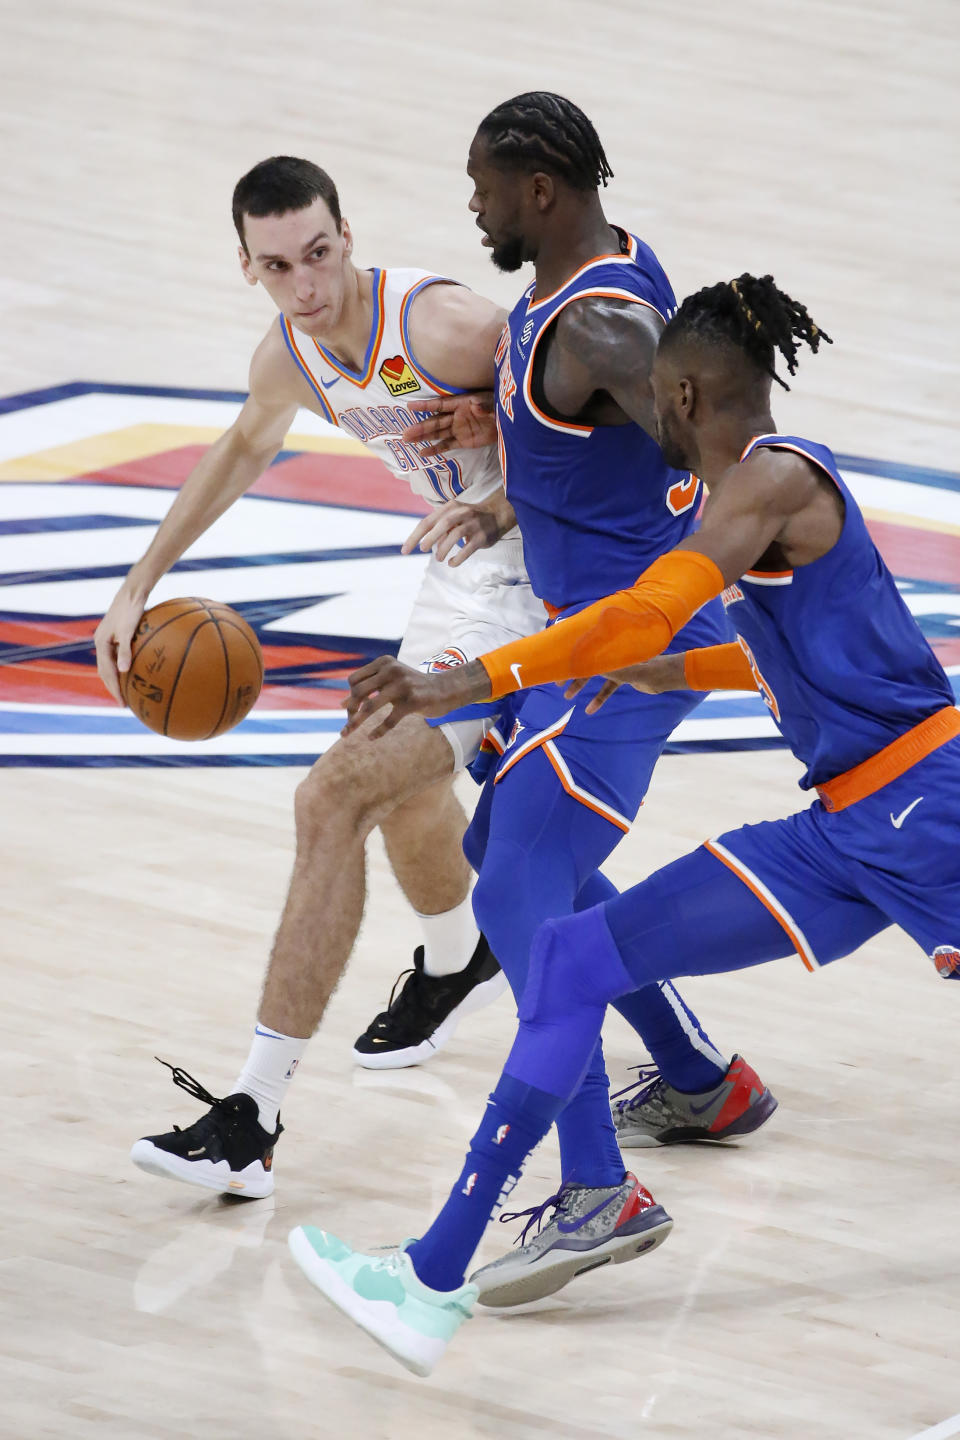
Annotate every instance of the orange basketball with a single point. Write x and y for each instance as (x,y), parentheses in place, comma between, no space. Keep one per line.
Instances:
(196,669)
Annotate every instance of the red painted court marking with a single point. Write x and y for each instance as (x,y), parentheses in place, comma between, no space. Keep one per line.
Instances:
(358,482)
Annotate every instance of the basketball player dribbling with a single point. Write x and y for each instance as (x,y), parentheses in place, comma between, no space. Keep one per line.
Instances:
(853,686)
(352,345)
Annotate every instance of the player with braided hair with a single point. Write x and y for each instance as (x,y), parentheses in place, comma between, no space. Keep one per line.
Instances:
(541,130)
(852,685)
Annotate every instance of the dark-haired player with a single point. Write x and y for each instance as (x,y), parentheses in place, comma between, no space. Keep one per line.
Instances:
(853,687)
(353,346)
(596,503)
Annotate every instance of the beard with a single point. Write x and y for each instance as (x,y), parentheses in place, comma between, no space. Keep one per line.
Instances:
(508,255)
(671,449)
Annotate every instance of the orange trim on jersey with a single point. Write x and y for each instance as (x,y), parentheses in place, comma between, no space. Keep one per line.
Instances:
(892,761)
(428,381)
(582,796)
(767,575)
(374,343)
(768,900)
(541,738)
(551,420)
(306,371)
(607,258)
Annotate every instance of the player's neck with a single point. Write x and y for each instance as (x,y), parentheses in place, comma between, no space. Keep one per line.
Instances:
(580,234)
(349,340)
(722,443)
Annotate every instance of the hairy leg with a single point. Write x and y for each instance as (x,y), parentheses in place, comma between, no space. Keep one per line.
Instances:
(350,790)
(423,837)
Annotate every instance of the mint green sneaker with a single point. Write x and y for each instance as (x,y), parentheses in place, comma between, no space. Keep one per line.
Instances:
(382,1294)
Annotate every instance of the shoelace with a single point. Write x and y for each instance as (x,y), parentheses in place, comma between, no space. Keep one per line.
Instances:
(192,1086)
(647,1081)
(537,1213)
(403,1017)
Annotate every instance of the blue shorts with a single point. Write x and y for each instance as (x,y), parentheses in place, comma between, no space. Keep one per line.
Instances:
(833,879)
(603,760)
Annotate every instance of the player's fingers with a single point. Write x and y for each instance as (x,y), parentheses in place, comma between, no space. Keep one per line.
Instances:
(602,696)
(471,544)
(482,402)
(454,535)
(422,536)
(573,689)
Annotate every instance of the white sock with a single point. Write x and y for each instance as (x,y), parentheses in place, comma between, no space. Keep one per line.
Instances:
(449,940)
(269,1069)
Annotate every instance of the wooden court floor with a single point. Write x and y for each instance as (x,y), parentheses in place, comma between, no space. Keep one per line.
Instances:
(810,1286)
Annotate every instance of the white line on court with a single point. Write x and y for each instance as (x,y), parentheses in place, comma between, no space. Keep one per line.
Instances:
(943,1431)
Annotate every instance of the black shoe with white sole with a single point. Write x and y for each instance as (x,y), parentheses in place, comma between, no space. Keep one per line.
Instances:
(423,1016)
(226,1150)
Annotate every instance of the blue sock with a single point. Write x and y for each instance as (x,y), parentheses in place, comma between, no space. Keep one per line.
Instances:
(516,1119)
(676,1041)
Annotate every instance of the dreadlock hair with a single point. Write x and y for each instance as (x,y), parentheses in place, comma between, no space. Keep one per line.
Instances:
(280,184)
(751,313)
(543,131)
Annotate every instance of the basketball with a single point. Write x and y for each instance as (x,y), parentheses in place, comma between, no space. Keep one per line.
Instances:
(196,669)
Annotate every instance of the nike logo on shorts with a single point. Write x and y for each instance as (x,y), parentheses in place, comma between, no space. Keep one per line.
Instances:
(897,820)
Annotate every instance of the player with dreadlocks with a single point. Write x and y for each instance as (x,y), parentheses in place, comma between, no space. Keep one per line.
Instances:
(853,687)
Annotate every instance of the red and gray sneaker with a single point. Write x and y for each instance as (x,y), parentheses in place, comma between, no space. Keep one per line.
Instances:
(227,1149)
(588,1228)
(654,1113)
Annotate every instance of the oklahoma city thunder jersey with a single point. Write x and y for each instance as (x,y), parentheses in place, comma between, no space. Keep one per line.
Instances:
(371,403)
(596,504)
(837,656)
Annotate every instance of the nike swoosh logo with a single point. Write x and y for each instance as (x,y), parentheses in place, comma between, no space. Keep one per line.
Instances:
(267,1034)
(567,1228)
(201,1151)
(702,1109)
(515,672)
(329,384)
(897,821)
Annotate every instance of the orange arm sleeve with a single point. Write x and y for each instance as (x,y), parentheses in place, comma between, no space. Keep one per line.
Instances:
(718,667)
(623,629)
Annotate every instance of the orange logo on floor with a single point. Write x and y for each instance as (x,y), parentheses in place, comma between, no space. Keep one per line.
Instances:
(398,377)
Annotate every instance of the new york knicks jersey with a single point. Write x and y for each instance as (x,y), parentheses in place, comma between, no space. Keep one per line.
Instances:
(596,504)
(371,403)
(837,656)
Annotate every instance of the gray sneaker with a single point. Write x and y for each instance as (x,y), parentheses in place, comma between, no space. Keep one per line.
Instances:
(656,1114)
(588,1228)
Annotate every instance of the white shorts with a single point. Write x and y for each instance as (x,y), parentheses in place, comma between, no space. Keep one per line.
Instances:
(463,612)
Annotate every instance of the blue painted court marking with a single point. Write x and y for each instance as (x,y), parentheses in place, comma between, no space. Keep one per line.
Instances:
(44,524)
(943,1431)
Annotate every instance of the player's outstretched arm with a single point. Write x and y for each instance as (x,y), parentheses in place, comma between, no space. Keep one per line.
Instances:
(773,497)
(231,465)
(454,334)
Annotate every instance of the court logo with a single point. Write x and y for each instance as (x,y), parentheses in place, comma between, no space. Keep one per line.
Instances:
(398,377)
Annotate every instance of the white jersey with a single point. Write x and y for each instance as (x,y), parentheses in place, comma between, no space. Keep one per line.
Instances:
(371,403)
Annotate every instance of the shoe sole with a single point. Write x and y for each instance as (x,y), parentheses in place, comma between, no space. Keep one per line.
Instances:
(558,1267)
(479,997)
(245,1183)
(378,1318)
(752,1119)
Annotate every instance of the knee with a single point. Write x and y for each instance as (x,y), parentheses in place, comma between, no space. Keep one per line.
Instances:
(574,965)
(333,796)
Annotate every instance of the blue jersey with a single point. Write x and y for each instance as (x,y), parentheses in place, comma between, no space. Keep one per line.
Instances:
(838,658)
(596,504)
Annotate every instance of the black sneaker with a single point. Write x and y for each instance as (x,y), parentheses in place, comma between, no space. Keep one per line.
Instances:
(421,1019)
(227,1149)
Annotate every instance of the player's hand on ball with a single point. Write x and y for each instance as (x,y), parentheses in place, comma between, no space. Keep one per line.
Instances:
(455,422)
(651,677)
(410,692)
(113,637)
(462,528)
